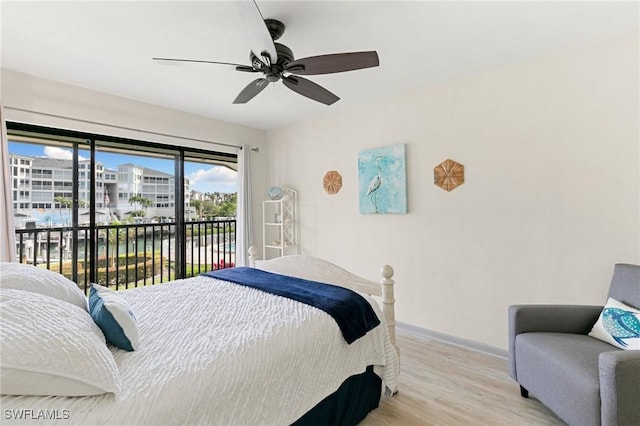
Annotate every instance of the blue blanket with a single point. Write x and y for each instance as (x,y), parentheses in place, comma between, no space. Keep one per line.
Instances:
(353,314)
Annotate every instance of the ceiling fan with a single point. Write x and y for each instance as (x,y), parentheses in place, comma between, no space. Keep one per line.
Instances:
(276,61)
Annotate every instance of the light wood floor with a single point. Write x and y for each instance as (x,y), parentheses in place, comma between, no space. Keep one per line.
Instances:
(442,384)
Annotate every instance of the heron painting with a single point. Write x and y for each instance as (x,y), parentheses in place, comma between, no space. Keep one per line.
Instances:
(382,180)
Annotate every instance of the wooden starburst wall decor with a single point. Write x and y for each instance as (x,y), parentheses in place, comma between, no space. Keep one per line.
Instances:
(332,182)
(448,175)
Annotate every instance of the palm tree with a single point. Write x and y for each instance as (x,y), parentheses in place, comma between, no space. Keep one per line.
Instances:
(115,237)
(141,202)
(133,200)
(63,202)
(146,203)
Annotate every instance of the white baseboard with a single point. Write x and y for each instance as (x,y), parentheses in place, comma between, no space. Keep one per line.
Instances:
(453,340)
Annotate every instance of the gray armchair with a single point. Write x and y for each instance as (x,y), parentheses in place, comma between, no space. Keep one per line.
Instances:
(583,380)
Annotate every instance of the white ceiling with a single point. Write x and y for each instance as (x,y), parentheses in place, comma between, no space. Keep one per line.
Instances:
(108,46)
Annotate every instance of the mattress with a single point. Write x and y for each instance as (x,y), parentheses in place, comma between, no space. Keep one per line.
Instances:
(213,352)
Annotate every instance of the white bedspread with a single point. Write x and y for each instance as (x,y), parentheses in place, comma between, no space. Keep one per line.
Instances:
(221,354)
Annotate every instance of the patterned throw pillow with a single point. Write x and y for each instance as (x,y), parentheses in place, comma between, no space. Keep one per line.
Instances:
(618,325)
(114,317)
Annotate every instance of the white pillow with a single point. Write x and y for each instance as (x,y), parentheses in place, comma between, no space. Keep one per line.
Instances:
(50,347)
(43,281)
(618,325)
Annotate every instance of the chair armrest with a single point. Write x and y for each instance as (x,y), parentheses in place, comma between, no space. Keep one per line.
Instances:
(619,378)
(576,319)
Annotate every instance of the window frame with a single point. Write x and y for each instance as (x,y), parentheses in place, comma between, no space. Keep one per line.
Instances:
(99,142)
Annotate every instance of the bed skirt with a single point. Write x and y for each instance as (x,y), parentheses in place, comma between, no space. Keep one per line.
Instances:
(348,405)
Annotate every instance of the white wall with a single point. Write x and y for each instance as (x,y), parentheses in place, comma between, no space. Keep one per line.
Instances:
(550,200)
(41,95)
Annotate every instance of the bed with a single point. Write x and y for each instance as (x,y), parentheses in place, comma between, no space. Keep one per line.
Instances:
(208,351)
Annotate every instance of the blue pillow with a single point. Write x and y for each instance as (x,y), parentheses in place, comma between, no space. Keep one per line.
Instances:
(114,317)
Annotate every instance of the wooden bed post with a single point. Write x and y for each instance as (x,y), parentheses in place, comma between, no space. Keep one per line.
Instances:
(253,251)
(388,302)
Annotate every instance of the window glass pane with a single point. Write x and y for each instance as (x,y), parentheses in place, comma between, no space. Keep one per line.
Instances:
(133,186)
(210,198)
(44,187)
(140,232)
(44,176)
(210,190)
(140,223)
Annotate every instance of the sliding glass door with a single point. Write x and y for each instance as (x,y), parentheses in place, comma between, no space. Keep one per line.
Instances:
(118,212)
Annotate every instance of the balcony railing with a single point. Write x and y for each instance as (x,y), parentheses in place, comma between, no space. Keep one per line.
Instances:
(129,255)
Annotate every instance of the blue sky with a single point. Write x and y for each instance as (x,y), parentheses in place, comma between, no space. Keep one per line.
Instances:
(202,177)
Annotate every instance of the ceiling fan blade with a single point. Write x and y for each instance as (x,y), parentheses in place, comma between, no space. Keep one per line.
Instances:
(310,89)
(256,31)
(173,61)
(251,90)
(337,62)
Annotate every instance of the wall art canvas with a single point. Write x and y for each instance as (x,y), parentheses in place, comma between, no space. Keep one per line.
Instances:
(382,180)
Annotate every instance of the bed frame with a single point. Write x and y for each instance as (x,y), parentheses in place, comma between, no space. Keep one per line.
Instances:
(316,269)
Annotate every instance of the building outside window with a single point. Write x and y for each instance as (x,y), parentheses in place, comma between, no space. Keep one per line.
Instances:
(125,211)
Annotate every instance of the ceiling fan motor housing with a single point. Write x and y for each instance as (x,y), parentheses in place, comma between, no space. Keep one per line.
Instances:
(273,72)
